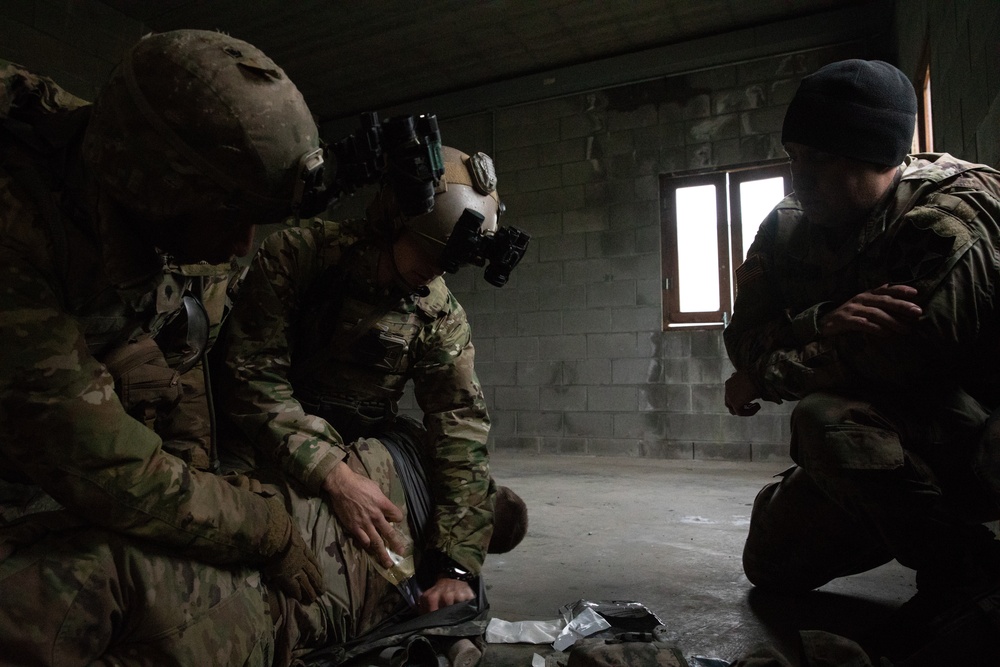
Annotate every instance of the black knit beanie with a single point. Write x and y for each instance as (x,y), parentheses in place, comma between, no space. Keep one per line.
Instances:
(861,109)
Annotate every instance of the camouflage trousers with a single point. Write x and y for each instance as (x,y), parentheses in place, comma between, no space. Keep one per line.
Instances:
(356,598)
(76,595)
(872,482)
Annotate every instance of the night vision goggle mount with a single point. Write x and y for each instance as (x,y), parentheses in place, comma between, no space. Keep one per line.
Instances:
(500,252)
(404,150)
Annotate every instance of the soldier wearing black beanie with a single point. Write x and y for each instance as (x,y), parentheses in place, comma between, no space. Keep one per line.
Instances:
(868,297)
(861,109)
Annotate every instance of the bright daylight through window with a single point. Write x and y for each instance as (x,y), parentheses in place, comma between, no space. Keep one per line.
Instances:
(708,222)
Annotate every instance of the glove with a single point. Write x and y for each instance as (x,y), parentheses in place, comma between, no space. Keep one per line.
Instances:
(293,567)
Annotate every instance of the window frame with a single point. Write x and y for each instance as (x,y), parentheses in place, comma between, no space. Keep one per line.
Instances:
(729,233)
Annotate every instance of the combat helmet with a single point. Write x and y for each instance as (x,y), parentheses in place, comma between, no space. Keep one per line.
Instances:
(195,120)
(469,182)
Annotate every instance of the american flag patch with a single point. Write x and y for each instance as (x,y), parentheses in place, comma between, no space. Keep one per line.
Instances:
(748,271)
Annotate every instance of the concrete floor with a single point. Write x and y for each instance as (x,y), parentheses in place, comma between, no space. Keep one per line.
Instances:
(667,534)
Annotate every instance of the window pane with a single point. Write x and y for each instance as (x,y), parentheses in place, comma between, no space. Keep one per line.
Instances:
(757,198)
(697,249)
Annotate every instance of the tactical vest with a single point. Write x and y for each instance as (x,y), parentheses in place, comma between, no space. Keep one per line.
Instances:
(353,355)
(149,336)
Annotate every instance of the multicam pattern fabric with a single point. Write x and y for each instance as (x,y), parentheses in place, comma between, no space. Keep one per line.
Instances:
(356,598)
(939,234)
(310,319)
(77,596)
(65,300)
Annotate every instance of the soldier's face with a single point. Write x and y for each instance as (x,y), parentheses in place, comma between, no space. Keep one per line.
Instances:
(210,238)
(836,191)
(414,264)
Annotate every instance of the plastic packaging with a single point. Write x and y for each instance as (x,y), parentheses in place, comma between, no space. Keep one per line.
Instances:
(500,631)
(584,624)
(402,563)
(622,615)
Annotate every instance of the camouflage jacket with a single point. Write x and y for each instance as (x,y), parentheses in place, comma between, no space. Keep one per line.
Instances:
(365,348)
(939,233)
(75,284)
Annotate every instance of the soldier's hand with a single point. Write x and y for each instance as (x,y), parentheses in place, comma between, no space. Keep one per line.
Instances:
(883,311)
(741,395)
(293,568)
(364,512)
(443,593)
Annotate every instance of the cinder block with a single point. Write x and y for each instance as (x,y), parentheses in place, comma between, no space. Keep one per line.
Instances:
(561,248)
(563,152)
(715,128)
(484,349)
(649,293)
(634,214)
(581,272)
(699,156)
(643,116)
(567,298)
(516,444)
(636,319)
(636,371)
(611,293)
(708,398)
(587,424)
(585,320)
(611,244)
(587,372)
(566,398)
(612,399)
(510,347)
(566,347)
(641,425)
(514,160)
(543,372)
(508,300)
(762,121)
(705,370)
(587,220)
(611,346)
(529,134)
(716,451)
(696,428)
(580,125)
(538,322)
(497,373)
(540,178)
(667,449)
(583,171)
(516,398)
(555,445)
(539,423)
(639,266)
(614,447)
(672,398)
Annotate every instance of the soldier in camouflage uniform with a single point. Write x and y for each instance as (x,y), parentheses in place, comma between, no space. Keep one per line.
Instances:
(114,219)
(870,297)
(333,320)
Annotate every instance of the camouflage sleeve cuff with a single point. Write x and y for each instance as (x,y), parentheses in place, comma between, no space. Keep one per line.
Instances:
(314,478)
(805,325)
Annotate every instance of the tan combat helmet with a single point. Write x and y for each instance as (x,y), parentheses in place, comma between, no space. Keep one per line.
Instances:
(469,182)
(195,120)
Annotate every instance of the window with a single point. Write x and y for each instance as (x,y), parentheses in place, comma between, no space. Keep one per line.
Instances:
(707,224)
(923,138)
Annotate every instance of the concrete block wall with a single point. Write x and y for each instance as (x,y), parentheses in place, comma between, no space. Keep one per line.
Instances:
(571,353)
(961,38)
